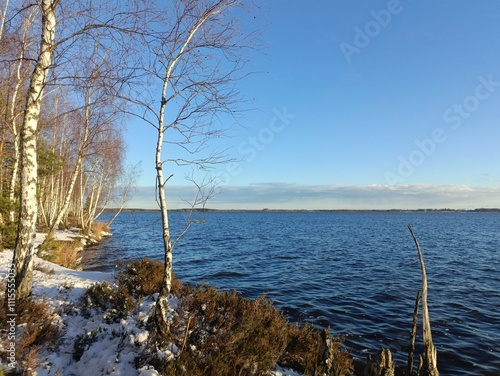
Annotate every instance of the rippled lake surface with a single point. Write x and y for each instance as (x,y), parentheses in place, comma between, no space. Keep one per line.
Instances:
(355,272)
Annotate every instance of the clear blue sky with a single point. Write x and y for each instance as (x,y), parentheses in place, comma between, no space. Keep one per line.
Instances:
(361,104)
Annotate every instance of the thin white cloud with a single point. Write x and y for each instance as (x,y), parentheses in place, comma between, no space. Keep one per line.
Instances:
(297,196)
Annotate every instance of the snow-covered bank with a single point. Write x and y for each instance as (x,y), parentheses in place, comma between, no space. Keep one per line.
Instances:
(88,344)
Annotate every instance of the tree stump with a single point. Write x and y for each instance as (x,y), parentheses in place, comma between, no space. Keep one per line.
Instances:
(380,364)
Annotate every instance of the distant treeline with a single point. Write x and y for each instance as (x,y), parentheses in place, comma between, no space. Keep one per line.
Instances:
(315,210)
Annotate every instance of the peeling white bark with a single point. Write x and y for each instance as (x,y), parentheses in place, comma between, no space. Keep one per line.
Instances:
(161,307)
(24,249)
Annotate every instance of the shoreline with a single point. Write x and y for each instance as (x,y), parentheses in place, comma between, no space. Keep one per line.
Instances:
(265,210)
(63,289)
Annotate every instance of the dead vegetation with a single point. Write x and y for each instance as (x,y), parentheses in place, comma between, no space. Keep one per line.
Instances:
(98,230)
(213,332)
(37,324)
(67,253)
(218,332)
(382,365)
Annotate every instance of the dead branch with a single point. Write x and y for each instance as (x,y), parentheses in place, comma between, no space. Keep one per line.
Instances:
(413,334)
(428,361)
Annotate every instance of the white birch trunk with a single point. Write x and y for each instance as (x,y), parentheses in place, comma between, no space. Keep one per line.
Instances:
(75,173)
(4,15)
(24,249)
(161,307)
(12,111)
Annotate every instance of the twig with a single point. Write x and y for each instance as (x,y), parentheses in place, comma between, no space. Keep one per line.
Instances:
(186,334)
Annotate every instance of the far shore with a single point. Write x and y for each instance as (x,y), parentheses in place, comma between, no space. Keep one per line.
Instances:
(266,210)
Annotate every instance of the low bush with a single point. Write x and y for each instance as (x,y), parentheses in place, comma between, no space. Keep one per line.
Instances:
(216,332)
(225,334)
(36,324)
(115,302)
(8,234)
(143,277)
(8,228)
(314,352)
(82,343)
(97,229)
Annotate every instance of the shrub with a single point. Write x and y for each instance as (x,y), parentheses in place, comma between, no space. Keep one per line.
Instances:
(37,324)
(116,302)
(97,296)
(143,277)
(8,234)
(82,343)
(8,229)
(215,332)
(227,334)
(313,352)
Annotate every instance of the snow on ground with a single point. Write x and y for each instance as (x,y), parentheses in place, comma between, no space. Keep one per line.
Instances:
(105,348)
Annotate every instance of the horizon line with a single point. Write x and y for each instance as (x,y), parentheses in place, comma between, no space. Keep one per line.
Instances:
(494,209)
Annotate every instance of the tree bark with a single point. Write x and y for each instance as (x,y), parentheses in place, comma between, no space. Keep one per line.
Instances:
(413,334)
(380,365)
(161,326)
(24,248)
(12,111)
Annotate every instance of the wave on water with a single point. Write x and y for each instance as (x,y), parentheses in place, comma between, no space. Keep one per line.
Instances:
(355,272)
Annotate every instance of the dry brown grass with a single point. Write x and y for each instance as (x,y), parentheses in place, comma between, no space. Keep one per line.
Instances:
(97,229)
(66,253)
(36,325)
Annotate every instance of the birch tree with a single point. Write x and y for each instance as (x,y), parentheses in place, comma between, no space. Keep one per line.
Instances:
(97,114)
(195,58)
(107,21)
(16,72)
(23,252)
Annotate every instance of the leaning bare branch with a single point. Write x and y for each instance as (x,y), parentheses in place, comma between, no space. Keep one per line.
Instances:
(428,362)
(205,190)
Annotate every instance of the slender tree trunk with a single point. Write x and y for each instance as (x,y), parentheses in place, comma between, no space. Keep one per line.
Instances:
(24,249)
(160,317)
(62,211)
(3,16)
(12,112)
(161,327)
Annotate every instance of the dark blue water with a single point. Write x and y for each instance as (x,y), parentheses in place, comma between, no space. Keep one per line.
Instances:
(355,272)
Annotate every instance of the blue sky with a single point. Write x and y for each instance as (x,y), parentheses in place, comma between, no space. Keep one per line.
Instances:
(360,105)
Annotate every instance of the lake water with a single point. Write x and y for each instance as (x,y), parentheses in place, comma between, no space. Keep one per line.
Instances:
(355,272)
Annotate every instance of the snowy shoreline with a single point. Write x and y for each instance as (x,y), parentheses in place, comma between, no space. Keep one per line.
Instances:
(116,345)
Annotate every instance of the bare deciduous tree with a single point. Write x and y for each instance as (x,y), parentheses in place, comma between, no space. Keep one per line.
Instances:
(106,22)
(195,58)
(23,252)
